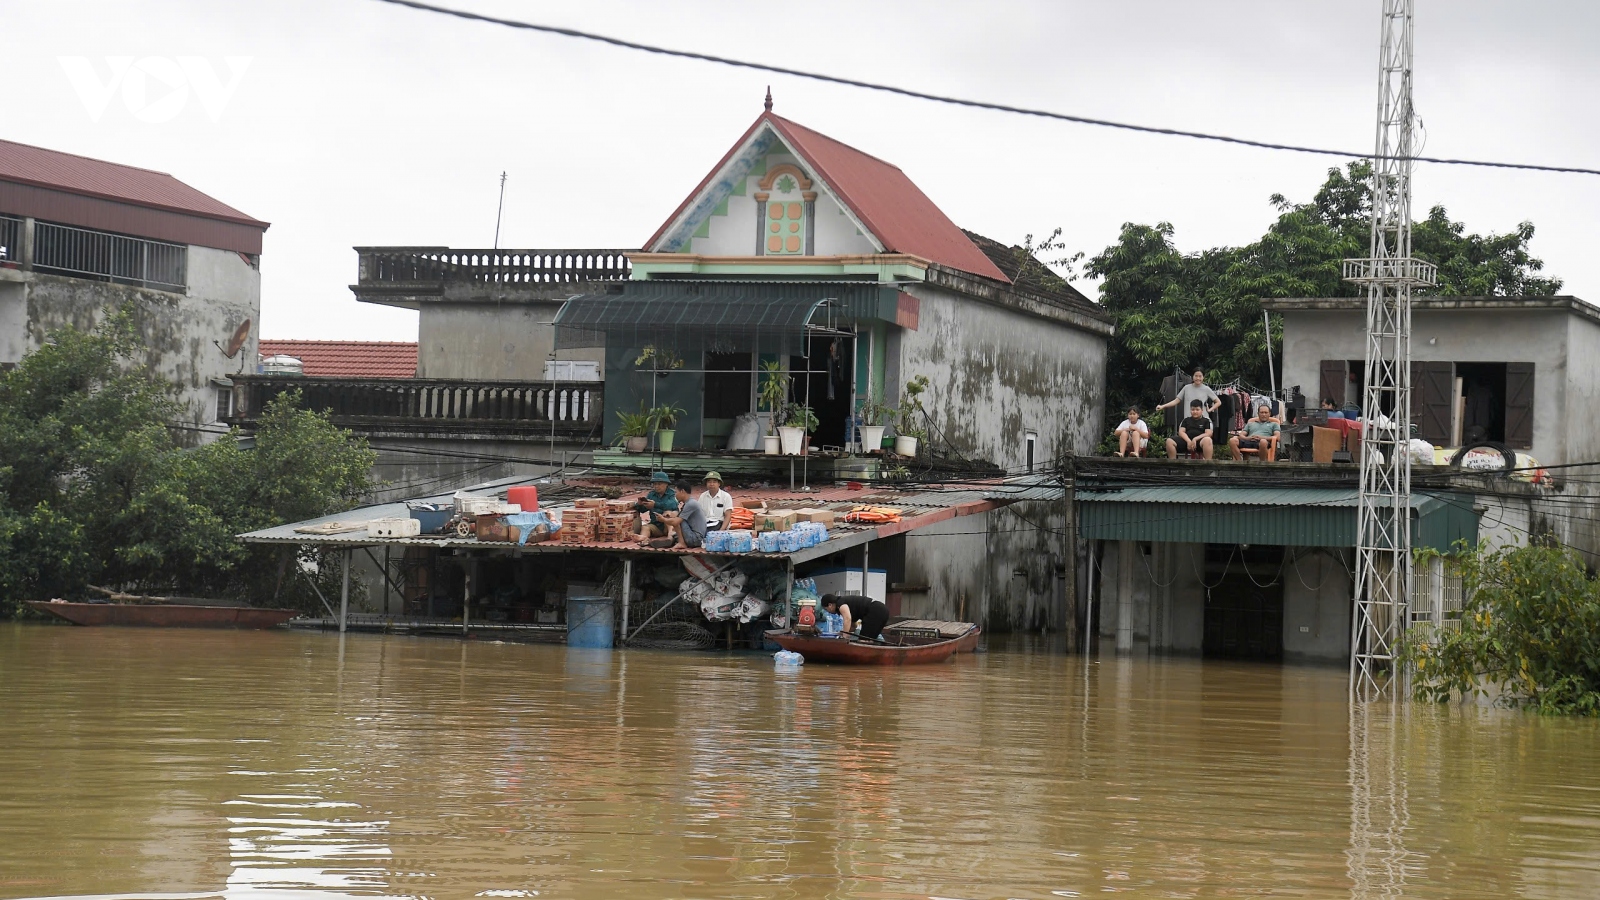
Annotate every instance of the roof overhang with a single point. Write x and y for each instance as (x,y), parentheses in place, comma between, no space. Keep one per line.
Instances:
(1562,303)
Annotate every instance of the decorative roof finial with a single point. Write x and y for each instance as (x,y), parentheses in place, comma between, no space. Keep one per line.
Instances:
(769,98)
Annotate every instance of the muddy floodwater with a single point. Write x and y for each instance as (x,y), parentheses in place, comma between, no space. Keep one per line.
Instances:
(290,765)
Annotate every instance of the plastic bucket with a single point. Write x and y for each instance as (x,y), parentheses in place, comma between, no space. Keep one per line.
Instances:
(526,496)
(589,622)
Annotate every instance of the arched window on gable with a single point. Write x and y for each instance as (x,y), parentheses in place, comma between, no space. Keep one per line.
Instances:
(788,204)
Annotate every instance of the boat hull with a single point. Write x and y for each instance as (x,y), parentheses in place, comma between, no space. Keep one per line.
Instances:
(870,653)
(165,615)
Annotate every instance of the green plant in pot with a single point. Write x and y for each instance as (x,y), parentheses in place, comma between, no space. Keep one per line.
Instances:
(875,416)
(800,422)
(911,426)
(664,419)
(634,434)
(774,397)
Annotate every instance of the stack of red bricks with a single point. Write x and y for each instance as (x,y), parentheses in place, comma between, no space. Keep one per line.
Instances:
(616,521)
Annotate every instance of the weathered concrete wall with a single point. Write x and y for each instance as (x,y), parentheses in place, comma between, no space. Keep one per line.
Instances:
(1581,409)
(996,569)
(182,331)
(1539,336)
(13,318)
(1316,605)
(995,373)
(489,341)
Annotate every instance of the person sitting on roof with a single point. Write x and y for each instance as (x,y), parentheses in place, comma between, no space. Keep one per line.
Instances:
(1193,434)
(657,502)
(688,524)
(715,501)
(1133,433)
(1260,434)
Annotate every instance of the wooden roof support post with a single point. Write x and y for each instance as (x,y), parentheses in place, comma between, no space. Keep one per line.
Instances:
(627,594)
(344,592)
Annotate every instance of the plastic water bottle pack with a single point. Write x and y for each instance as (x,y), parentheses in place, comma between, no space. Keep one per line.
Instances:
(788,658)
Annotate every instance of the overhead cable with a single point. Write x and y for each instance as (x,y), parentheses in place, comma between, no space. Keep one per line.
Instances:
(956,101)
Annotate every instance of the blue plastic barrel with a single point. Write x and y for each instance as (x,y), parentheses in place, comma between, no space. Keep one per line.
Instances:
(589,622)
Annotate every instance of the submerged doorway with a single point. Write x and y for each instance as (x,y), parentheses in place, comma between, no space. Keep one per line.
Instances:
(1244,602)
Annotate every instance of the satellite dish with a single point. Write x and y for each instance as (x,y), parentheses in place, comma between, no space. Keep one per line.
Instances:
(235,343)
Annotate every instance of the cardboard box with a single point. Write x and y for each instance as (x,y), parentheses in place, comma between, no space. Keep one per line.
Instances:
(753,504)
(822,516)
(775,520)
(590,503)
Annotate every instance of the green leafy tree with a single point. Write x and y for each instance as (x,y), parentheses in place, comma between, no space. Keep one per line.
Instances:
(1175,309)
(96,487)
(1528,634)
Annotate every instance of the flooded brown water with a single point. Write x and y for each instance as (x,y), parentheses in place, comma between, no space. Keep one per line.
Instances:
(280,764)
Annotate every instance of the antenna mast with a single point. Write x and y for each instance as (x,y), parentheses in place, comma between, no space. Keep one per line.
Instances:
(499,209)
(1383,539)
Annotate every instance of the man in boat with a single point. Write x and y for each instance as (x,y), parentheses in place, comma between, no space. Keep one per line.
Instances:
(854,608)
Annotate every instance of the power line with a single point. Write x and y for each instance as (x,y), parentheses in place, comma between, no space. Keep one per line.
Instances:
(958,101)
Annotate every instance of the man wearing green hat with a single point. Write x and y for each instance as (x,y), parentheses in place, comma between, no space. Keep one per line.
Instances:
(715,501)
(660,499)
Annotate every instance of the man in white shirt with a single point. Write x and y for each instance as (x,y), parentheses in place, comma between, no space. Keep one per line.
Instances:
(715,501)
(1133,434)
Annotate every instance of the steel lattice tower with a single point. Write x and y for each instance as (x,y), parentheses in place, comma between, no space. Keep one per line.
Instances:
(1383,541)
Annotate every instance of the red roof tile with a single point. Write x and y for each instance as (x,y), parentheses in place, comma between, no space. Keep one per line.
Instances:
(887,202)
(25,164)
(349,359)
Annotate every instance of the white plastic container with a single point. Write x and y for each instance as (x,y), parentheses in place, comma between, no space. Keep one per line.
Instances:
(394,528)
(480,505)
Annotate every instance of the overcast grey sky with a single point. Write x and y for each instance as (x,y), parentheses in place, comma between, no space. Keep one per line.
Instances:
(355,122)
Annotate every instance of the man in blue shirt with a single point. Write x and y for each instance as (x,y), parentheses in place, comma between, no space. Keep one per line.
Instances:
(659,501)
(689,522)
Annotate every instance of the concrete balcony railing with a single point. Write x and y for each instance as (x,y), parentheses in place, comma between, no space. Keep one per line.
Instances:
(418,406)
(388,273)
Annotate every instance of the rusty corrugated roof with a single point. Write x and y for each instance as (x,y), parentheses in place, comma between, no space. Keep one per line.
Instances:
(881,196)
(53,169)
(349,359)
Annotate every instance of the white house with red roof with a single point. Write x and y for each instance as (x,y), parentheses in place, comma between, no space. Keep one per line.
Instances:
(79,236)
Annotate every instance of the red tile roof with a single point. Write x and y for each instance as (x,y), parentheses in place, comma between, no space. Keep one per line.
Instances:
(887,202)
(349,359)
(25,164)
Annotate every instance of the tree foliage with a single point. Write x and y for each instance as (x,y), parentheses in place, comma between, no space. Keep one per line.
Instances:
(97,488)
(1529,632)
(1175,309)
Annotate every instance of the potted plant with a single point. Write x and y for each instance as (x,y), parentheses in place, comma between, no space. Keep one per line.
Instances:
(634,435)
(875,415)
(774,395)
(665,421)
(800,422)
(909,429)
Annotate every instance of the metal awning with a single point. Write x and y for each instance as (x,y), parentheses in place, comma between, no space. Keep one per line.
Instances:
(683,314)
(1288,516)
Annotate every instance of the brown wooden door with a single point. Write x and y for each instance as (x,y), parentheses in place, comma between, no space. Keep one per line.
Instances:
(1519,405)
(1335,375)
(1433,400)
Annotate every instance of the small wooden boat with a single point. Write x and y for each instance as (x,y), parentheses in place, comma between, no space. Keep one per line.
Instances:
(908,643)
(165,615)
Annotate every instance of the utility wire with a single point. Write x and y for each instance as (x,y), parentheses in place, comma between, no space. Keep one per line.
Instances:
(958,101)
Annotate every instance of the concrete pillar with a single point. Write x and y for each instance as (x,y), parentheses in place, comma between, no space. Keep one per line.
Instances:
(1125,552)
(344,593)
(25,255)
(761,224)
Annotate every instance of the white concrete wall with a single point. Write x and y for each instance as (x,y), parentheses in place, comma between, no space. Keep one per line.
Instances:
(486,341)
(1581,399)
(996,373)
(13,318)
(1539,336)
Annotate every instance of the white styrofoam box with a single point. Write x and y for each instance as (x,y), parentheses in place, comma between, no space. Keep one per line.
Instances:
(480,505)
(848,581)
(394,528)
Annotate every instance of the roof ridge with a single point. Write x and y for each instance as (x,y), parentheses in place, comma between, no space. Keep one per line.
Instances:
(335,341)
(103,162)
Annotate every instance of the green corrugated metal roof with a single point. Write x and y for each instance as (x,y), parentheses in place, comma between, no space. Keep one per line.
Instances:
(1290,516)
